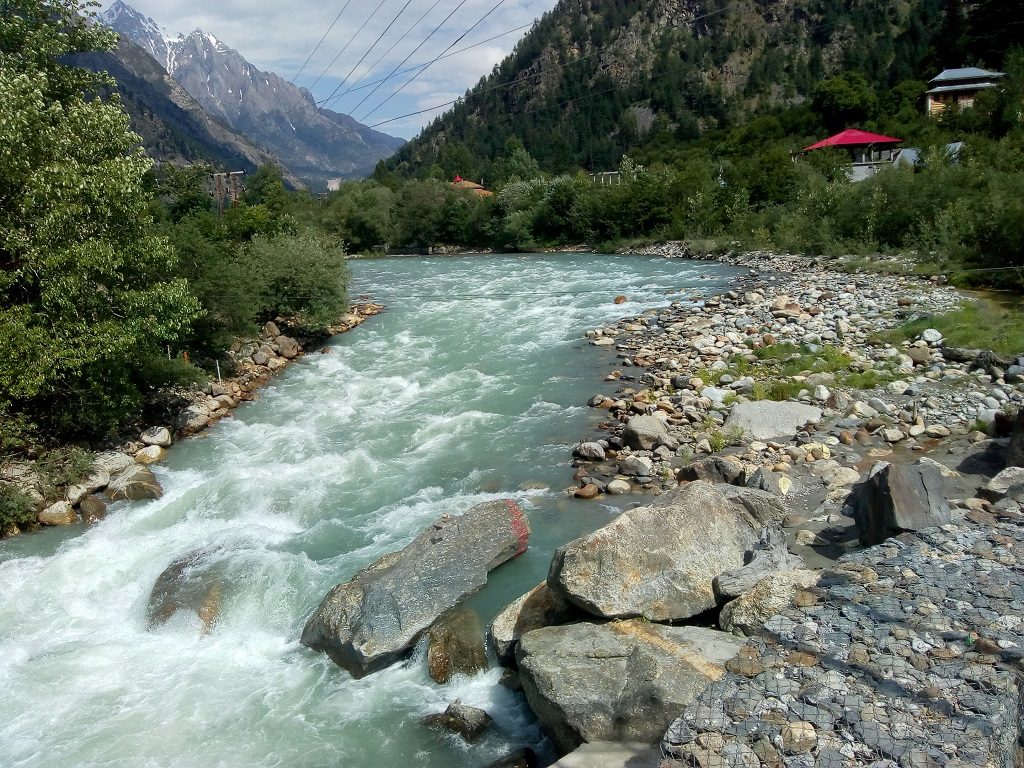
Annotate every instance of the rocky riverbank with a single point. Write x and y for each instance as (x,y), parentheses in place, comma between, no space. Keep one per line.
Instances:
(121,472)
(788,381)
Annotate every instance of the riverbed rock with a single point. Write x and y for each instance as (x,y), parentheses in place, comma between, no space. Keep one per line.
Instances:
(1004,481)
(589,451)
(193,582)
(769,556)
(58,513)
(455,645)
(111,462)
(636,466)
(192,419)
(617,487)
(287,346)
(644,432)
(151,454)
(469,722)
(159,436)
(540,607)
(374,618)
(523,757)
(93,509)
(135,483)
(768,420)
(896,498)
(617,681)
(715,469)
(659,561)
(747,614)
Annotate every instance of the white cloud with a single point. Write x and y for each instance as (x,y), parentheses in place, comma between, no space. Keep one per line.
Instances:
(278,36)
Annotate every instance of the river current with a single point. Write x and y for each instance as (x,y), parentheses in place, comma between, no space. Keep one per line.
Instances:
(471,386)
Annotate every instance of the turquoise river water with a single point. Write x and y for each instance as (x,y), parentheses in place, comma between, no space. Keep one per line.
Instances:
(471,386)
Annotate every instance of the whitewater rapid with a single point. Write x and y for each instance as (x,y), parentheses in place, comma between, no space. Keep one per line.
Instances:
(471,386)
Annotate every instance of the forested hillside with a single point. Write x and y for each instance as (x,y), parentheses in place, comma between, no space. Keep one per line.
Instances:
(597,78)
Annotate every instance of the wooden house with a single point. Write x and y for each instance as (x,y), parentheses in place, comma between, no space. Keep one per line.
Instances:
(958,87)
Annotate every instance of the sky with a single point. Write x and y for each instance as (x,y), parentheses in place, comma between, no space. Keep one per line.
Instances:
(278,36)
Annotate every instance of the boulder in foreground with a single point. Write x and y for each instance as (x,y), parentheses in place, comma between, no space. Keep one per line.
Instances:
(660,561)
(617,681)
(374,619)
(896,498)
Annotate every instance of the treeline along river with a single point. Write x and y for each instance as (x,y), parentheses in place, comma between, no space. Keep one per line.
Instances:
(471,386)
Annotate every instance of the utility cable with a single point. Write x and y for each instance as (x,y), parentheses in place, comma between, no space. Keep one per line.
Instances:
(374,45)
(436,58)
(433,32)
(414,67)
(345,47)
(393,46)
(317,46)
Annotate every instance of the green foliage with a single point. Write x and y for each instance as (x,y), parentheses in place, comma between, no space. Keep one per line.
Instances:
(845,100)
(59,468)
(87,287)
(16,508)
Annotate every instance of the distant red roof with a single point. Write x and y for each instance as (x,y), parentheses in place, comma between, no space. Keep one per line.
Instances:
(853,137)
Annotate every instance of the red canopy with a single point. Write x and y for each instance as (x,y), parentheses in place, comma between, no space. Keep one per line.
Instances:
(853,137)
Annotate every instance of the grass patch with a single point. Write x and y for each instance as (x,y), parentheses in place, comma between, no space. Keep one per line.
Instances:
(62,467)
(777,389)
(982,324)
(868,379)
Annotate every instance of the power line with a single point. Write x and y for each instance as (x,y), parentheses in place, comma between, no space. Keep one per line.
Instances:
(414,67)
(436,58)
(433,32)
(374,45)
(345,47)
(317,46)
(393,46)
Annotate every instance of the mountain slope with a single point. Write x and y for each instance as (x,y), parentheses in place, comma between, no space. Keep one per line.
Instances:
(315,145)
(173,126)
(594,76)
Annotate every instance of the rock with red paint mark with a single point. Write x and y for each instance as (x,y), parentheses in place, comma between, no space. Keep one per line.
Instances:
(376,617)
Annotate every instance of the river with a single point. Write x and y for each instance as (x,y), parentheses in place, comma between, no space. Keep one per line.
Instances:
(471,386)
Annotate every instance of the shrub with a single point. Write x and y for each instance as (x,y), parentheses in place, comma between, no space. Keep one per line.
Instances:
(16,508)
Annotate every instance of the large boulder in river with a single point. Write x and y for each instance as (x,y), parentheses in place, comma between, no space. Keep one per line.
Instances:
(644,432)
(896,498)
(660,561)
(455,645)
(193,583)
(136,482)
(374,619)
(540,607)
(767,420)
(617,681)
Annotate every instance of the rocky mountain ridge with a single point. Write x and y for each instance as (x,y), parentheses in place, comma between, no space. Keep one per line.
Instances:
(316,145)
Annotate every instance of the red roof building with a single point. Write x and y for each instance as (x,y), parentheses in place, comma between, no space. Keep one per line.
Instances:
(869,152)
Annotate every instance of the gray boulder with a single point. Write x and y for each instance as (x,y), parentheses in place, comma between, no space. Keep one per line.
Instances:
(636,466)
(617,681)
(716,469)
(111,462)
(455,645)
(136,482)
(660,561)
(374,619)
(769,556)
(771,595)
(589,451)
(768,420)
(469,722)
(896,498)
(159,436)
(540,607)
(1000,485)
(192,419)
(643,433)
(288,347)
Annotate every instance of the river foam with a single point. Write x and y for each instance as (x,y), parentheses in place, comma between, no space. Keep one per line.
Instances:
(468,388)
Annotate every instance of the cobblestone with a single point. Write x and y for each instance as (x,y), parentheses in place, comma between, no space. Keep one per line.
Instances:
(910,656)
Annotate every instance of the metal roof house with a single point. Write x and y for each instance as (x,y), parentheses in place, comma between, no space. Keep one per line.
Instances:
(869,152)
(958,87)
